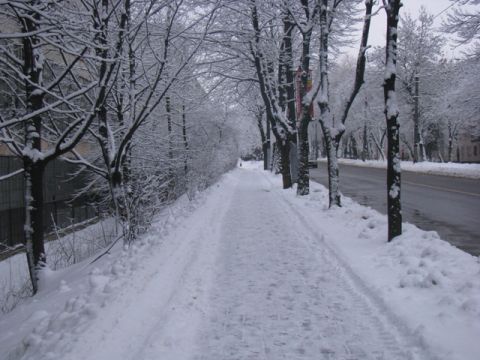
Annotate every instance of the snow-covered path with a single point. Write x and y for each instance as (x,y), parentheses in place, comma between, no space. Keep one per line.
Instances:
(157,314)
(279,294)
(243,280)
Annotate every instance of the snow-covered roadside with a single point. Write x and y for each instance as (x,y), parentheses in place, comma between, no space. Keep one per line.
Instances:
(471,171)
(48,325)
(423,282)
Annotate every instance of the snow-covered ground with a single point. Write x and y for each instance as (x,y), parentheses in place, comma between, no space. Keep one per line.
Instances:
(250,271)
(62,252)
(471,171)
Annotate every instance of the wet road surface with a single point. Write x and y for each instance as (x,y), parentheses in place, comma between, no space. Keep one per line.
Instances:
(448,205)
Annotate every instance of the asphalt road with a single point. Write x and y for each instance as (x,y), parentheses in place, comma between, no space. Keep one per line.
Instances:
(448,205)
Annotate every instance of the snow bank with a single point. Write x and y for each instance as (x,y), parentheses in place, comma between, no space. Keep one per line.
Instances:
(426,284)
(471,171)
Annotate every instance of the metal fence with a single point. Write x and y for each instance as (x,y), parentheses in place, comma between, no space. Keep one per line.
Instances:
(59,190)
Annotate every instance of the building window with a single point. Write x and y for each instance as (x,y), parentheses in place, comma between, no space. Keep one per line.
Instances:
(475,151)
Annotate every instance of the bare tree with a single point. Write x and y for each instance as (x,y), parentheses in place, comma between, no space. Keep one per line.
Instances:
(282,127)
(250,100)
(394,207)
(305,22)
(418,52)
(465,22)
(332,134)
(455,106)
(58,85)
(159,47)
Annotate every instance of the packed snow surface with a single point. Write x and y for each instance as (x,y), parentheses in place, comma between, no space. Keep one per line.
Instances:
(250,271)
(471,171)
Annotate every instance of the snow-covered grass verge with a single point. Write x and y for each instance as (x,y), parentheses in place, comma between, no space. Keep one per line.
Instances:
(47,325)
(64,251)
(427,285)
(471,171)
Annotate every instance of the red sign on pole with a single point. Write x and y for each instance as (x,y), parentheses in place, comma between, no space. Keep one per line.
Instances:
(300,93)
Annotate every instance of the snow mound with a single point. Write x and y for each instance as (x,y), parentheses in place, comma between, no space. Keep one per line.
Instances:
(471,171)
(426,261)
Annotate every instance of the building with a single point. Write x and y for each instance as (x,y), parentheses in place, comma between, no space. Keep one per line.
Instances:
(468,149)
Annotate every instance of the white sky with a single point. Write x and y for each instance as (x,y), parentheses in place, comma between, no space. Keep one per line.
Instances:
(435,7)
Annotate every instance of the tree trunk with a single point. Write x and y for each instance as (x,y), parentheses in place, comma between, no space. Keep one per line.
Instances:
(275,163)
(411,152)
(332,142)
(333,135)
(263,137)
(113,175)
(185,140)
(353,144)
(171,180)
(32,160)
(284,150)
(393,128)
(379,145)
(303,186)
(265,155)
(393,180)
(423,149)
(263,67)
(366,148)
(268,144)
(450,148)
(286,90)
(117,188)
(345,148)
(34,219)
(334,198)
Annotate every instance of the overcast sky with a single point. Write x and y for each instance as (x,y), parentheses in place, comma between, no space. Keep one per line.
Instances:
(435,7)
